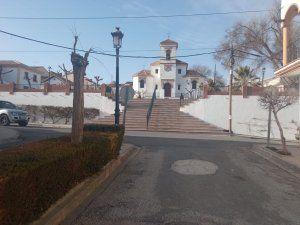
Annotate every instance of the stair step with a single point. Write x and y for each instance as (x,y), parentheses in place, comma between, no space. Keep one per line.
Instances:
(165,117)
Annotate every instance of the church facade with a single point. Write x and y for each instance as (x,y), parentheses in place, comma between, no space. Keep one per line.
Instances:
(172,76)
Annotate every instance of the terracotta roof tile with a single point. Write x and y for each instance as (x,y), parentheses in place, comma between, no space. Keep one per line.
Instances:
(156,63)
(169,42)
(143,73)
(180,62)
(13,63)
(193,73)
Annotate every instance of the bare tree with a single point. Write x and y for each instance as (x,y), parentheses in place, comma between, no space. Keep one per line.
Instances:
(203,70)
(276,100)
(261,36)
(1,73)
(80,64)
(66,113)
(98,79)
(66,72)
(28,79)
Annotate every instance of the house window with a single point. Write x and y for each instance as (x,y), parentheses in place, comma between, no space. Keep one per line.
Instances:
(34,78)
(156,71)
(142,84)
(26,76)
(179,71)
(179,86)
(194,85)
(168,54)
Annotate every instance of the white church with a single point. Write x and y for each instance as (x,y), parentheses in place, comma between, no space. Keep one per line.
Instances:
(171,76)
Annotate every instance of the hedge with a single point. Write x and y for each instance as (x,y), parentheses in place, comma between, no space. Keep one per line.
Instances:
(56,113)
(35,175)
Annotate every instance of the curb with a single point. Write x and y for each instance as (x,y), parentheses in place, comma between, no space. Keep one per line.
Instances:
(45,125)
(65,206)
(277,160)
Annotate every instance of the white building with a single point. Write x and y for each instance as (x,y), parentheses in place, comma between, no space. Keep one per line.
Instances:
(55,79)
(19,73)
(171,76)
(88,82)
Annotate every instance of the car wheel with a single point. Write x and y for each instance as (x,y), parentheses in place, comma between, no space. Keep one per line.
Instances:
(4,120)
(23,124)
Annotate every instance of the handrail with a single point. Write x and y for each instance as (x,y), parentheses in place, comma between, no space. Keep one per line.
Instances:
(125,105)
(151,106)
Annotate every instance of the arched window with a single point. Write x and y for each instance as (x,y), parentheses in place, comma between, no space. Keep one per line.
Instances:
(142,84)
(194,85)
(168,54)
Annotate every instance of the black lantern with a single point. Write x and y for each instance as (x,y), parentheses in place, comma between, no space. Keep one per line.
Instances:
(117,38)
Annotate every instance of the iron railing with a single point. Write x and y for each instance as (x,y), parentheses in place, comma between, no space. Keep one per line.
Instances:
(151,106)
(125,105)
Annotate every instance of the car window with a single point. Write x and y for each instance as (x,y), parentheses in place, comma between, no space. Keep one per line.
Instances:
(7,105)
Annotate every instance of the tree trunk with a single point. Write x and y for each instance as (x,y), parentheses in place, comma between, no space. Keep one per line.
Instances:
(284,148)
(78,99)
(29,83)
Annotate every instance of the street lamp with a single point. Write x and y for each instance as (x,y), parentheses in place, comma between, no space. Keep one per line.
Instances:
(117,42)
(263,76)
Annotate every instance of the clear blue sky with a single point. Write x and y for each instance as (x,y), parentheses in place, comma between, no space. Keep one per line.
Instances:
(202,33)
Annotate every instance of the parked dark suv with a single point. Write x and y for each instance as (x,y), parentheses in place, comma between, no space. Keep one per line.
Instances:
(9,113)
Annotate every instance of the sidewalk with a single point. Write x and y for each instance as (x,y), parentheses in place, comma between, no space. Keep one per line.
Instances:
(295,157)
(8,135)
(290,164)
(206,136)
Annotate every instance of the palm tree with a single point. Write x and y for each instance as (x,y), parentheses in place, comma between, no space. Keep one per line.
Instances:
(245,77)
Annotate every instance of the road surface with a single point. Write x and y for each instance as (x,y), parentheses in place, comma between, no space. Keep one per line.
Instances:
(189,182)
(29,134)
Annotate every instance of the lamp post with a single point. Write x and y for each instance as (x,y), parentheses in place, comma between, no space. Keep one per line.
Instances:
(117,42)
(263,76)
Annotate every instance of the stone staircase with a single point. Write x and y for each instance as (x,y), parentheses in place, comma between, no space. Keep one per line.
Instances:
(166,117)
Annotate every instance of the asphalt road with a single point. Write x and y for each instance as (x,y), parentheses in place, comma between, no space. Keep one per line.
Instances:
(29,134)
(245,190)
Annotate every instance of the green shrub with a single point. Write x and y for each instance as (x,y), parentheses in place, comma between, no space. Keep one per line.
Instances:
(34,176)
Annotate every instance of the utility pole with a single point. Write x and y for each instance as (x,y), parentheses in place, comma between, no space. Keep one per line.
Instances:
(215,73)
(269,126)
(230,88)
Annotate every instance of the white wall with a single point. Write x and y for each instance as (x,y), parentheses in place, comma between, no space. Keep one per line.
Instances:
(248,117)
(91,100)
(135,83)
(56,81)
